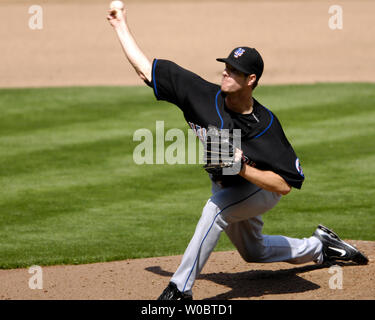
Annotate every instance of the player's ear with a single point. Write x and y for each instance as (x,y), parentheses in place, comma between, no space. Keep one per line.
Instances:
(251,79)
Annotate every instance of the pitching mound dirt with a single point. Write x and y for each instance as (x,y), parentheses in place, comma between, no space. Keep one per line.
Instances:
(225,276)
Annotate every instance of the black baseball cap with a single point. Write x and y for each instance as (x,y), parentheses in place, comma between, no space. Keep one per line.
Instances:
(245,59)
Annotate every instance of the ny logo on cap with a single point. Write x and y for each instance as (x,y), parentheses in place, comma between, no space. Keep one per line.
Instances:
(239,52)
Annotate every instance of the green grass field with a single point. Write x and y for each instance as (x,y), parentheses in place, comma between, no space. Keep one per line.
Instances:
(71,193)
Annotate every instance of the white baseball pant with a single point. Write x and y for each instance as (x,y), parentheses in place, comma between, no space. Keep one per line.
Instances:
(237,210)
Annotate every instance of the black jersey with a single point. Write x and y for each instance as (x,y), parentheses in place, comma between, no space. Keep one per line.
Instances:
(262,138)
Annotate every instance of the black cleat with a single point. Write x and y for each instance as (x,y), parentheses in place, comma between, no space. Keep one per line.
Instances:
(336,249)
(172,293)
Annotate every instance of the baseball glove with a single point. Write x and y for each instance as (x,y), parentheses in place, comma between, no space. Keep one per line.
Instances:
(221,155)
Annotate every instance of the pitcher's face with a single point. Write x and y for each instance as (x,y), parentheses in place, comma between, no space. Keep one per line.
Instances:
(233,80)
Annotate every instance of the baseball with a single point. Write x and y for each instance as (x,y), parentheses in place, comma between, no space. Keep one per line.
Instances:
(116,5)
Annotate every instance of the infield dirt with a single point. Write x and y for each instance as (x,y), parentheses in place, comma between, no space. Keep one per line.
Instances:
(77,47)
(225,276)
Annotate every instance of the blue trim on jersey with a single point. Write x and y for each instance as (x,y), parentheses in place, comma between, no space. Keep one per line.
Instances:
(153,77)
(217,110)
(209,229)
(269,125)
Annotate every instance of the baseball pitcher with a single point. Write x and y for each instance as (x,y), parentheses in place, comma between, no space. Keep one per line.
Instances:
(265,166)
